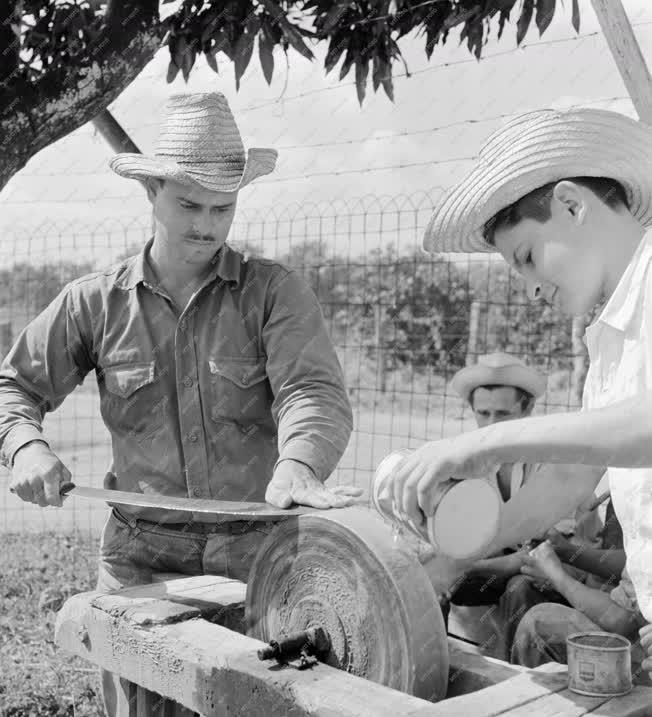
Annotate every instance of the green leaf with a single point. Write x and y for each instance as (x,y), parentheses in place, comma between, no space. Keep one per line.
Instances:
(266,56)
(188,62)
(361,73)
(339,43)
(333,18)
(244,49)
(173,71)
(576,16)
(378,71)
(212,62)
(292,34)
(524,21)
(348,61)
(388,86)
(545,13)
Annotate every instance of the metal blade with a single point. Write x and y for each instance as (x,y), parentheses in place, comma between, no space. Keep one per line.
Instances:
(231,508)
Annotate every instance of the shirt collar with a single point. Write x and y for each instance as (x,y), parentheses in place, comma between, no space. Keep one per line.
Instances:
(626,298)
(226,264)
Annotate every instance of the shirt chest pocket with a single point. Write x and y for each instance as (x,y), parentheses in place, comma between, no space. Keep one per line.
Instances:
(239,389)
(134,403)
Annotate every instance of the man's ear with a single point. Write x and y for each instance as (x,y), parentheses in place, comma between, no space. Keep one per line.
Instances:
(570,199)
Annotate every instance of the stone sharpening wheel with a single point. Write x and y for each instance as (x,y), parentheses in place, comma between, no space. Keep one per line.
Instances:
(345,575)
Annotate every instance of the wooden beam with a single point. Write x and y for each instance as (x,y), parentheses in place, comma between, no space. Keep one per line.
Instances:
(163,639)
(627,53)
(215,671)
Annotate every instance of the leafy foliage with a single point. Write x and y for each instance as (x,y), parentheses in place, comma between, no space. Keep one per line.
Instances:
(362,35)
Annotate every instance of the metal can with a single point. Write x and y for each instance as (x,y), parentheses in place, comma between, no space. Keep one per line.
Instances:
(599,664)
(466,517)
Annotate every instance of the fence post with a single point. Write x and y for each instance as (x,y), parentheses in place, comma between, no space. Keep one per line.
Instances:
(6,338)
(474,328)
(381,362)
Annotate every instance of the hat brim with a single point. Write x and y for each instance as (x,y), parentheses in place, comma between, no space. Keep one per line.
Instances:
(468,379)
(211,176)
(536,149)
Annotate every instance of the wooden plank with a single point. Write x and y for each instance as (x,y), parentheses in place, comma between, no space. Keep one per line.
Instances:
(216,671)
(627,54)
(216,598)
(176,598)
(564,703)
(149,704)
(514,692)
(471,671)
(201,664)
(638,703)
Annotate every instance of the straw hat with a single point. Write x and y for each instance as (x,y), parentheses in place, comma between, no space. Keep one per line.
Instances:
(199,142)
(498,369)
(537,148)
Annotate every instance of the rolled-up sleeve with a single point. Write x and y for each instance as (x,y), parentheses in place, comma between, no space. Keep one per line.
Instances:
(311,406)
(48,361)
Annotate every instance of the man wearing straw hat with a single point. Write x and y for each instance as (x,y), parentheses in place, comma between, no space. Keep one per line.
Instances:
(217,377)
(501,387)
(566,198)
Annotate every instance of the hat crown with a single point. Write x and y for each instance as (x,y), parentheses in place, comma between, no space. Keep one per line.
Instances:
(500,360)
(200,129)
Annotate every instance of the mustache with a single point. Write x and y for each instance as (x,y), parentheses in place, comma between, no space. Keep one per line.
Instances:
(199,237)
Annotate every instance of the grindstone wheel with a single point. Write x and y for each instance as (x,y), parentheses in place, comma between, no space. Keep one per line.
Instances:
(344,570)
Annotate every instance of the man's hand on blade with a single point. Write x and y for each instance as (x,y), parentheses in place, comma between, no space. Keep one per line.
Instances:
(294,482)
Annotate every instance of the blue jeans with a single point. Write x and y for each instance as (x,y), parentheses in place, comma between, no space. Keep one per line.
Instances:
(132,551)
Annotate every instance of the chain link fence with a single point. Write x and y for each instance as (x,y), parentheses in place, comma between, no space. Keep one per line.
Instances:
(402,321)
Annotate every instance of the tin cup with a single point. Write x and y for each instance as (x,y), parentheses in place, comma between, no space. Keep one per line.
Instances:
(466,517)
(599,664)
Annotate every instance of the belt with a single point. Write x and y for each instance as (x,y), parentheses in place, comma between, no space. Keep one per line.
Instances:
(235,527)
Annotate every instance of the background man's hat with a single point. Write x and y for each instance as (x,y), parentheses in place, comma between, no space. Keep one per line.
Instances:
(199,142)
(498,369)
(535,149)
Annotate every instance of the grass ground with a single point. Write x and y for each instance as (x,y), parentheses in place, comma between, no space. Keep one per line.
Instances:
(37,572)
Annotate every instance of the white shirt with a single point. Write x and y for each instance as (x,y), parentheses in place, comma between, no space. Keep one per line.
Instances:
(619,343)
(581,524)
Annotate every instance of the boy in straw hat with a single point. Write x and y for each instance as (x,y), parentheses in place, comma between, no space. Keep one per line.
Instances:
(501,387)
(566,198)
(217,377)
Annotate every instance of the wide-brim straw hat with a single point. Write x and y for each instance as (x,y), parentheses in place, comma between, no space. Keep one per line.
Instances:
(199,143)
(498,369)
(533,150)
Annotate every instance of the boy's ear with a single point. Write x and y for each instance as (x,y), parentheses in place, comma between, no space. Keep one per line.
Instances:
(571,198)
(152,187)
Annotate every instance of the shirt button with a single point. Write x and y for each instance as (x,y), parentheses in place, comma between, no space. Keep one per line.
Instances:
(192,437)
(196,492)
(187,381)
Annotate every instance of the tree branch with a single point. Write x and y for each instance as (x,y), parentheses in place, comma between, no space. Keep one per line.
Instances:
(10,14)
(35,114)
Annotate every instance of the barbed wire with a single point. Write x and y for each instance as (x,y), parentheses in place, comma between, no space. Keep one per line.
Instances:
(424,70)
(352,141)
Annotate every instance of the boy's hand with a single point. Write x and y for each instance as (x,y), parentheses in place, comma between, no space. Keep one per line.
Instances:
(416,480)
(543,565)
(646,643)
(563,547)
(37,475)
